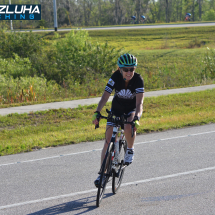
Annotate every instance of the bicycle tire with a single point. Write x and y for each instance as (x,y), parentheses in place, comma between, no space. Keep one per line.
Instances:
(117,177)
(106,166)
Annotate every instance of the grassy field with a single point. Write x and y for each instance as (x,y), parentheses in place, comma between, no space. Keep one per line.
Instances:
(146,39)
(157,38)
(27,132)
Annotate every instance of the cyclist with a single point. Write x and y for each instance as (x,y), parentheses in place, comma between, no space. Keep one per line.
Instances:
(128,99)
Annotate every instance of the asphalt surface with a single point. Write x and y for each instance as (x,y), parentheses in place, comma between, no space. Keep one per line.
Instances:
(76,103)
(173,173)
(132,27)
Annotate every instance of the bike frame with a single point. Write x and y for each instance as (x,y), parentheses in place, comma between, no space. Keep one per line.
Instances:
(107,169)
(116,130)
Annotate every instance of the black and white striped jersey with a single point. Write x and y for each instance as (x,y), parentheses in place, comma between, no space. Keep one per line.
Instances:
(124,100)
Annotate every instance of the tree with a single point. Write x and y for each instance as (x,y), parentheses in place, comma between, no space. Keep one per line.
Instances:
(167,11)
(209,15)
(138,9)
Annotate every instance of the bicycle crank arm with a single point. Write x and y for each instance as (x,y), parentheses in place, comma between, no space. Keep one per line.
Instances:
(122,166)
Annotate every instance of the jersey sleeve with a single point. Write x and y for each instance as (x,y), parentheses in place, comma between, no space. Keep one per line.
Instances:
(139,85)
(111,83)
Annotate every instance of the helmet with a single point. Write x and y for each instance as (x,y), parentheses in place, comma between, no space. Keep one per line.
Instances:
(127,60)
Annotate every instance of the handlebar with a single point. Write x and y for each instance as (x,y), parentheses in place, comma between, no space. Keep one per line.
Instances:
(117,120)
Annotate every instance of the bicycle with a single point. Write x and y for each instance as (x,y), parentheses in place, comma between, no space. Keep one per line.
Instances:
(107,169)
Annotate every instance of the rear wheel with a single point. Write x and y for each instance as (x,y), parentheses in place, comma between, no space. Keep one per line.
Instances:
(105,172)
(118,174)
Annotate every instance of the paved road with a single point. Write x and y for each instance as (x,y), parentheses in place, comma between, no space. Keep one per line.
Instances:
(136,27)
(173,173)
(75,103)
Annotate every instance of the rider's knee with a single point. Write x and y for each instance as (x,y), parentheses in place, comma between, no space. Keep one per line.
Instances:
(127,128)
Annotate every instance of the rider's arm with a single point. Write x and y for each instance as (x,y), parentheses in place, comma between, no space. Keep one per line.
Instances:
(139,104)
(108,90)
(103,101)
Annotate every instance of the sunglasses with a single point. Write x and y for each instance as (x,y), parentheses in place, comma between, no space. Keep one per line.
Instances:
(126,69)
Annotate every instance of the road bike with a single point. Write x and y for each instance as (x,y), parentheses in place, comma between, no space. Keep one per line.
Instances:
(109,170)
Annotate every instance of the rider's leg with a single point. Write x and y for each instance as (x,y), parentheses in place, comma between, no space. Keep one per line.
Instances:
(108,135)
(127,130)
(129,155)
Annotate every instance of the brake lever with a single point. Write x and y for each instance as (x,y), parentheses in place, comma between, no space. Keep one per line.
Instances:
(97,126)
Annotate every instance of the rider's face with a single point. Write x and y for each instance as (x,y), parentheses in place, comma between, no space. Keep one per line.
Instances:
(129,74)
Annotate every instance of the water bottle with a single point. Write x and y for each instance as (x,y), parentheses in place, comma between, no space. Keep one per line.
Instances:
(116,147)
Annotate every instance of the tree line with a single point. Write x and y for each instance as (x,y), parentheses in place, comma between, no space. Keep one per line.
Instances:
(116,12)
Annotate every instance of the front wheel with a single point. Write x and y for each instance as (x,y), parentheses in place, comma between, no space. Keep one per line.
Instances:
(118,175)
(105,174)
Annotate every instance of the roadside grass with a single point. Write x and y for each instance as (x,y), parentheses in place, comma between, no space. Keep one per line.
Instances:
(146,39)
(172,68)
(157,38)
(27,132)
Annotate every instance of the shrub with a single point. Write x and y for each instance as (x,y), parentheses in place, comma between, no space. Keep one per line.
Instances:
(26,89)
(23,44)
(76,56)
(209,15)
(209,61)
(16,67)
(42,23)
(72,56)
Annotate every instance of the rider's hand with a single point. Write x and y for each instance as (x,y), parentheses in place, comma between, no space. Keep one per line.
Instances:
(136,122)
(95,116)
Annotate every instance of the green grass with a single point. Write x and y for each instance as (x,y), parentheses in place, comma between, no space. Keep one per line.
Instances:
(172,68)
(157,38)
(27,132)
(146,39)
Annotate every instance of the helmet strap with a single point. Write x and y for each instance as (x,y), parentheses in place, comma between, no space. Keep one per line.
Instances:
(122,75)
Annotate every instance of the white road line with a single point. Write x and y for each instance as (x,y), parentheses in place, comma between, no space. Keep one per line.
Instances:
(95,190)
(58,156)
(171,138)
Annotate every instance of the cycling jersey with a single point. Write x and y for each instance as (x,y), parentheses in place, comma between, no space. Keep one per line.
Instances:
(124,100)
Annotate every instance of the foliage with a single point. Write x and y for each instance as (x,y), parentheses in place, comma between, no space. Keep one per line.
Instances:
(3,25)
(23,44)
(209,15)
(25,89)
(209,61)
(108,12)
(70,63)
(38,89)
(76,56)
(42,23)
(15,67)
